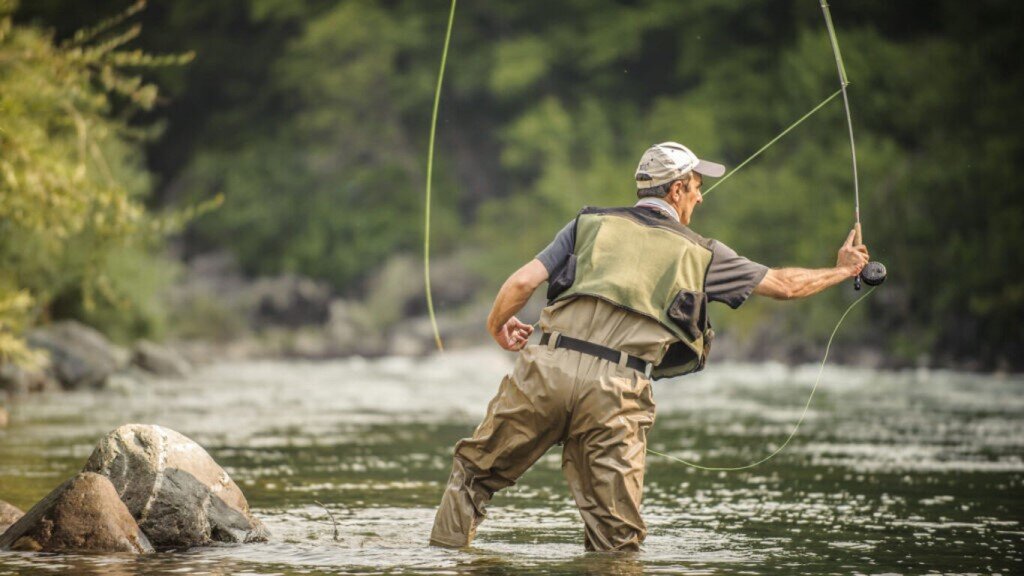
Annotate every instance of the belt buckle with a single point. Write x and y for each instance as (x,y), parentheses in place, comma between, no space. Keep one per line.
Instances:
(648,369)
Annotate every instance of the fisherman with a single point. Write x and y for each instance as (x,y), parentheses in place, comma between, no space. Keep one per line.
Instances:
(628,292)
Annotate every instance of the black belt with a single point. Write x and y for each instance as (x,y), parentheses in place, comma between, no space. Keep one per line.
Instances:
(609,354)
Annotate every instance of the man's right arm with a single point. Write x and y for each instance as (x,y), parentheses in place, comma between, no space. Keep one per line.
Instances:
(792,283)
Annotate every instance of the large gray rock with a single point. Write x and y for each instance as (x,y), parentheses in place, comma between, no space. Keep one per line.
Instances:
(8,515)
(160,360)
(83,514)
(291,300)
(80,356)
(174,489)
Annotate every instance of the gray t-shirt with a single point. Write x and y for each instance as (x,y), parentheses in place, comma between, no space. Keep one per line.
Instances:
(730,279)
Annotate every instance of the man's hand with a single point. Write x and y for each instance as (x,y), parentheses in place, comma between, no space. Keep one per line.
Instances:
(852,258)
(504,327)
(513,335)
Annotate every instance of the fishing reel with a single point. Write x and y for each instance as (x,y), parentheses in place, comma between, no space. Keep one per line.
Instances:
(873,274)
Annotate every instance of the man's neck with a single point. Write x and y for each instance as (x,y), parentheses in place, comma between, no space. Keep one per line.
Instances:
(659,205)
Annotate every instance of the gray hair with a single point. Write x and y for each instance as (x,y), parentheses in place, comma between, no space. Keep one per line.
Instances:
(661,191)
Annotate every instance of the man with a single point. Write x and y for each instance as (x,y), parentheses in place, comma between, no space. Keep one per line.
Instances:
(628,292)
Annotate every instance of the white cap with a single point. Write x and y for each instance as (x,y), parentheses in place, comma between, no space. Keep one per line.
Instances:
(669,161)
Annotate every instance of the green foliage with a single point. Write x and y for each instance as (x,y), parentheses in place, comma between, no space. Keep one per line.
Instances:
(311,118)
(72,180)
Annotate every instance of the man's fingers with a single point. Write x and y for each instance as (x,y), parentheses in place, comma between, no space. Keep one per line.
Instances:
(849,238)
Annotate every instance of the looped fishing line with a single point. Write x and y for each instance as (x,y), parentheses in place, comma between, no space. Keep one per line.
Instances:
(430,174)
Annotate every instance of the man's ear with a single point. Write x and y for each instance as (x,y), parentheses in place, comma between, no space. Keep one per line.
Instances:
(676,186)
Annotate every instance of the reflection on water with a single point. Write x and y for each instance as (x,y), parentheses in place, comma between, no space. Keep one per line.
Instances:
(891,473)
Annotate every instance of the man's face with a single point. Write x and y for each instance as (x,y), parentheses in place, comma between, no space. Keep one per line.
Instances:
(690,197)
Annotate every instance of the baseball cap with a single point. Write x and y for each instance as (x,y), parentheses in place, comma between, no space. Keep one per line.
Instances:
(668,161)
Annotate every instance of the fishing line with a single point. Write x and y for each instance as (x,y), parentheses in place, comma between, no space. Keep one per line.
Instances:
(799,421)
(773,141)
(430,174)
(873,274)
(842,90)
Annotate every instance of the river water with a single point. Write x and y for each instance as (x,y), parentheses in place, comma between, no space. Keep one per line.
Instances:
(892,473)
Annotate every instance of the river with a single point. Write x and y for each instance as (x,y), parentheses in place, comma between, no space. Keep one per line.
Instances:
(892,472)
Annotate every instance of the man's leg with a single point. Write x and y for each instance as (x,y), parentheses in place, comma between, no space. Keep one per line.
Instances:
(524,419)
(603,460)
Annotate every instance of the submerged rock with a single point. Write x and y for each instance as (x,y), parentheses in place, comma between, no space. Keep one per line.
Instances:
(178,494)
(160,360)
(9,514)
(80,356)
(83,514)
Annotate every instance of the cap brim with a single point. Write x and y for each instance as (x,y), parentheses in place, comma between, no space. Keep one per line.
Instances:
(711,169)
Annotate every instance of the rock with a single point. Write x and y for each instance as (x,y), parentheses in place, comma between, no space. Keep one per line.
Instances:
(8,515)
(291,301)
(18,380)
(160,360)
(352,330)
(80,356)
(83,514)
(173,488)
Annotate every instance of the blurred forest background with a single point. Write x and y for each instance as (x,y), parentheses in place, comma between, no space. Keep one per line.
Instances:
(290,136)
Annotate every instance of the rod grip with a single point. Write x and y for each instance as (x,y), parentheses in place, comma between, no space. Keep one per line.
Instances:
(858,239)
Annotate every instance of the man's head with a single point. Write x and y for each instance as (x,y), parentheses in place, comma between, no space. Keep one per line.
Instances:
(671,171)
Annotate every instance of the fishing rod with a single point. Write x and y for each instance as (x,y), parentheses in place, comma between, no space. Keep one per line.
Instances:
(874,273)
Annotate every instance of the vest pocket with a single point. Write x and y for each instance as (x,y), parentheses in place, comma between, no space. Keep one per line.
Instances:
(563,278)
(689,311)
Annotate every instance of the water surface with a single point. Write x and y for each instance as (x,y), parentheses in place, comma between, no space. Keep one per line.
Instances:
(892,473)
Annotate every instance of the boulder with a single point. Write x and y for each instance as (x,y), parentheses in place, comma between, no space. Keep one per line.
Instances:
(83,514)
(160,360)
(19,380)
(8,515)
(291,301)
(80,356)
(173,488)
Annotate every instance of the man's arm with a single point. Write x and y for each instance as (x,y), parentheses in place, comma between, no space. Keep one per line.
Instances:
(505,328)
(791,283)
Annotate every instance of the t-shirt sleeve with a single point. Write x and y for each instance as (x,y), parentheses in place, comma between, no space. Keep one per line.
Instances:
(731,278)
(558,251)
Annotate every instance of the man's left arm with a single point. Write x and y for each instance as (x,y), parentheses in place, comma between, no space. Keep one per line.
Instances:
(792,283)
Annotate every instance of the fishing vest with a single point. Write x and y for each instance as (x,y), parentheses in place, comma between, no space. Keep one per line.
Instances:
(647,263)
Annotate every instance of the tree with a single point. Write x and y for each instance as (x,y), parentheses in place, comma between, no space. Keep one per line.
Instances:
(72,177)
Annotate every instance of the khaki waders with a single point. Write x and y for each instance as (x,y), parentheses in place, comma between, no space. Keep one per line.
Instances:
(601,410)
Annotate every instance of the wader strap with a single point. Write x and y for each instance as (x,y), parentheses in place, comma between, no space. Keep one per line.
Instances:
(556,340)
(551,340)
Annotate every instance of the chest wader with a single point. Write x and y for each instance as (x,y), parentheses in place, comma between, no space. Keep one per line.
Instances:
(601,409)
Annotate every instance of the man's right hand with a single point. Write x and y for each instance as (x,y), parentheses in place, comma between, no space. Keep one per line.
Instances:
(513,335)
(852,258)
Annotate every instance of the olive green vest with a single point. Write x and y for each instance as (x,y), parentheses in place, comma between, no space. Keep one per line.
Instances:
(647,263)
